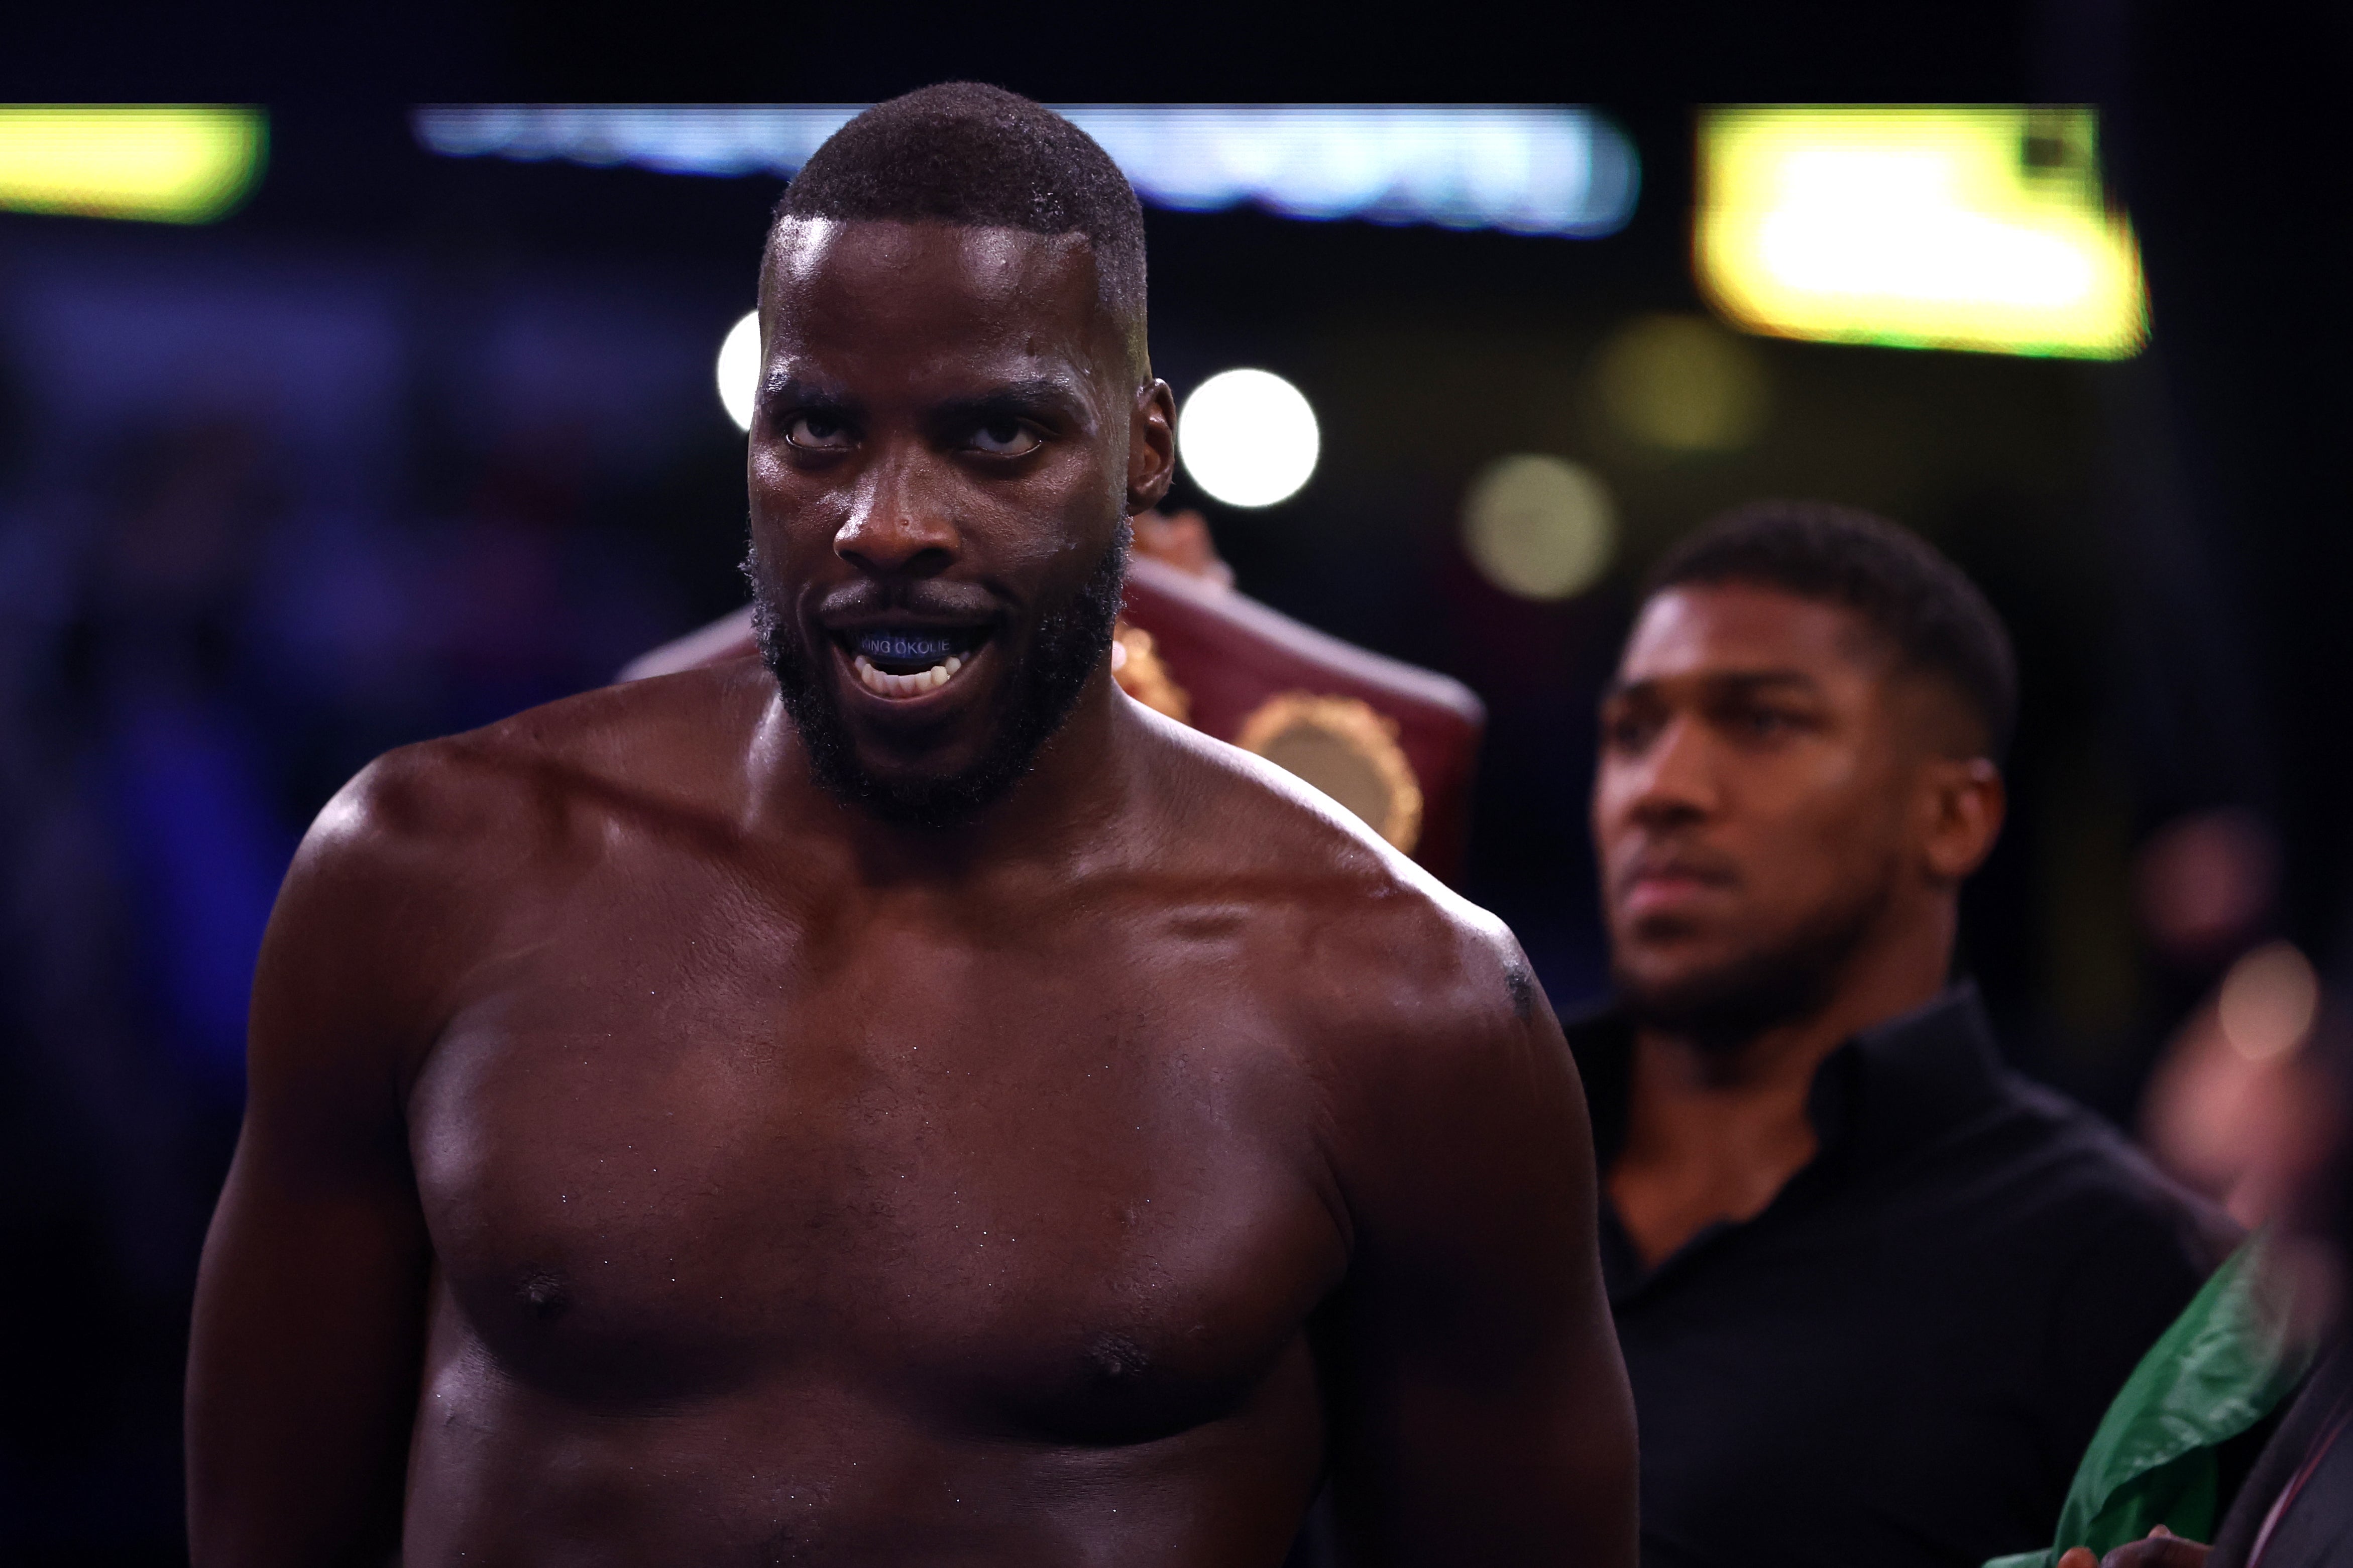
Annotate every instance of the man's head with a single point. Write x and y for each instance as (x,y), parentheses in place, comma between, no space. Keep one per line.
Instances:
(955,419)
(1798,760)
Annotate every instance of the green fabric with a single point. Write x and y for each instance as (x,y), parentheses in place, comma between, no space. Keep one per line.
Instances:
(2226,1362)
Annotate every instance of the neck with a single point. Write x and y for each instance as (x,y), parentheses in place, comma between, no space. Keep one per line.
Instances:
(1715,1134)
(1081,778)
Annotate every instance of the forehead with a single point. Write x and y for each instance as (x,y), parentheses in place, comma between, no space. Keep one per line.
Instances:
(1699,630)
(882,288)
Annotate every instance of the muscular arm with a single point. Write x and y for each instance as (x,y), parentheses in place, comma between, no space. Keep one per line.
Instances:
(1483,1414)
(303,1364)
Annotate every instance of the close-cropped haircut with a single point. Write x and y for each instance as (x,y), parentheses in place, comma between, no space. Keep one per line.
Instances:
(979,156)
(1920,605)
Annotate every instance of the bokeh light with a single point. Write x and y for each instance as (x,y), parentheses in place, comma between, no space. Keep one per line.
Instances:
(1540,527)
(168,163)
(1681,384)
(1248,437)
(2268,1001)
(739,369)
(1526,169)
(1982,228)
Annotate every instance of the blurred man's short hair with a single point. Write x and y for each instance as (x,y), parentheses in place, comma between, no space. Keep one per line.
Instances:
(1925,608)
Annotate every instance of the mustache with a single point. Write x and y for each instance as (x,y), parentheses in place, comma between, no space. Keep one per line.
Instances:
(865,597)
(1672,858)
(931,598)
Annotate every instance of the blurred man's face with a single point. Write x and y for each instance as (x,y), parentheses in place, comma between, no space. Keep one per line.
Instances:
(939,474)
(1754,808)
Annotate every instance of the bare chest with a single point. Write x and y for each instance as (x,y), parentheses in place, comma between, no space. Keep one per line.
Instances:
(1055,1189)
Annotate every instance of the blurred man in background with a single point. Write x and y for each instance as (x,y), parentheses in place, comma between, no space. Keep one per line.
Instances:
(902,1102)
(1874,1292)
(2289,1131)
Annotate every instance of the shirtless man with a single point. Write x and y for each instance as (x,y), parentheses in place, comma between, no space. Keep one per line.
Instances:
(903,1101)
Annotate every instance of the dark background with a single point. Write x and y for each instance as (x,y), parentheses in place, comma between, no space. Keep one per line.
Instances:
(408,443)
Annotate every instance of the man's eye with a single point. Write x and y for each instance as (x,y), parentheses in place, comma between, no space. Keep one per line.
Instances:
(1625,732)
(1005,438)
(817,433)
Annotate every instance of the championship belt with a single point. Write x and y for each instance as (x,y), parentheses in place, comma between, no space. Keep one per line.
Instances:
(1392,742)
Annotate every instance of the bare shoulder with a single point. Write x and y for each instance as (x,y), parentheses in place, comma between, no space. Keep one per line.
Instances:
(413,864)
(1447,1107)
(477,802)
(1367,945)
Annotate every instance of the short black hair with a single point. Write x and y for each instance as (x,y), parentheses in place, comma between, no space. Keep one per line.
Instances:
(964,152)
(1923,606)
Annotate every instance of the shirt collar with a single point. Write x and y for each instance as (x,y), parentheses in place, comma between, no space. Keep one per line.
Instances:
(1889,1090)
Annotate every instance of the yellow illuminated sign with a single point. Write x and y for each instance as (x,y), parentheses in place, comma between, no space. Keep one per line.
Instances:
(1956,228)
(169,163)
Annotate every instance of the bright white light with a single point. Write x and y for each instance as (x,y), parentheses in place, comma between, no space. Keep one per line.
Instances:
(1524,169)
(1857,220)
(739,369)
(1540,527)
(1248,437)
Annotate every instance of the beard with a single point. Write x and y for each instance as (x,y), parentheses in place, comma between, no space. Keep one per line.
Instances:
(1068,641)
(1721,1010)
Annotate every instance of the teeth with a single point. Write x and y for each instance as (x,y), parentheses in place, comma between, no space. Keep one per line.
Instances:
(882,683)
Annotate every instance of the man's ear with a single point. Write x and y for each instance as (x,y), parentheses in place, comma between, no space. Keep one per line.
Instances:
(1962,804)
(1150,447)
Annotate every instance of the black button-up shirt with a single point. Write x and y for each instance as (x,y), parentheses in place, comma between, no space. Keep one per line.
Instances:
(1901,1359)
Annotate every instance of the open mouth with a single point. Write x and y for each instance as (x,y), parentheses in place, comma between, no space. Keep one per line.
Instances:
(900,662)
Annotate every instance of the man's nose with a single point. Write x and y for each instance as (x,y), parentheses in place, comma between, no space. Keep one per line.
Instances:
(897,527)
(1675,779)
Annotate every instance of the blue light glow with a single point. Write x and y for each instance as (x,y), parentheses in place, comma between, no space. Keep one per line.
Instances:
(1554,170)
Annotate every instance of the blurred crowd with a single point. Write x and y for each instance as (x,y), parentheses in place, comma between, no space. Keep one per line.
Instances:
(234,565)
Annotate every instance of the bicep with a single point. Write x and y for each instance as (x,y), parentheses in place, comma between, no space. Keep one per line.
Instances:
(302,1373)
(1483,1408)
(306,1343)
